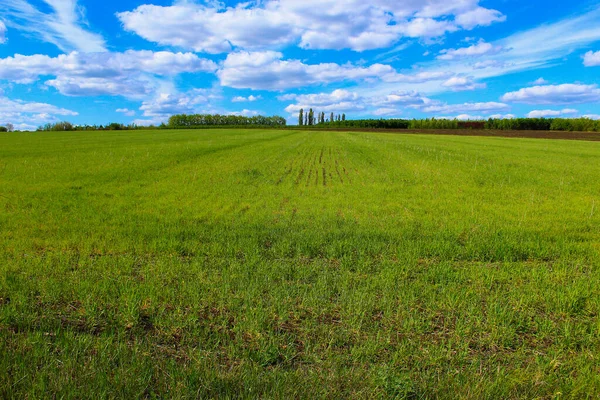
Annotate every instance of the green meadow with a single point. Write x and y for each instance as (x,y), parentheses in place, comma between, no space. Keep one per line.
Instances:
(296,264)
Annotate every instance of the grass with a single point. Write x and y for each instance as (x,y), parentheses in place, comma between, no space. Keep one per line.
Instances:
(291,264)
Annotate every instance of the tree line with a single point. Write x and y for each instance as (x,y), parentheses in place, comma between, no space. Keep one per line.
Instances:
(65,126)
(337,121)
(546,124)
(175,122)
(207,120)
(308,118)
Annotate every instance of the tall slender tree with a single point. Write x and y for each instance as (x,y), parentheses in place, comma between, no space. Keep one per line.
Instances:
(331,118)
(311,117)
(301,117)
(343,117)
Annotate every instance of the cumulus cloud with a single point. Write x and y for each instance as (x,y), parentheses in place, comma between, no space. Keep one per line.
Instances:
(461,83)
(64,25)
(346,101)
(393,104)
(127,74)
(480,49)
(387,112)
(126,111)
(540,81)
(336,101)
(591,59)
(529,49)
(551,113)
(410,99)
(479,16)
(469,117)
(311,24)
(163,105)
(466,107)
(22,68)
(245,113)
(242,99)
(267,70)
(555,94)
(28,115)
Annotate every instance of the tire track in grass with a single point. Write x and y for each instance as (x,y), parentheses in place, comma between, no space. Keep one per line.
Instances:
(288,169)
(323,164)
(330,163)
(337,170)
(305,160)
(310,169)
(343,166)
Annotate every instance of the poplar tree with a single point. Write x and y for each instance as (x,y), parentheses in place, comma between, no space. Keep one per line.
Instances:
(331,118)
(301,117)
(343,117)
(311,117)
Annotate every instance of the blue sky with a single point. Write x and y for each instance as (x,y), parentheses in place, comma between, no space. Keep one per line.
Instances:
(142,60)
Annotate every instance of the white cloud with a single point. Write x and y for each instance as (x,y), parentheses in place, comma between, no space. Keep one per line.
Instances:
(479,17)
(536,47)
(126,111)
(345,101)
(268,70)
(2,33)
(245,113)
(129,74)
(91,86)
(427,28)
(163,105)
(466,107)
(241,99)
(311,24)
(469,117)
(393,104)
(480,49)
(22,68)
(591,59)
(540,81)
(387,112)
(555,94)
(64,25)
(336,101)
(409,99)
(502,116)
(497,65)
(149,121)
(28,115)
(550,113)
(592,116)
(530,49)
(461,83)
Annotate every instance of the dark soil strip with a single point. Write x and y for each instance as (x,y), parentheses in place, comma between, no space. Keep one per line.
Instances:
(589,136)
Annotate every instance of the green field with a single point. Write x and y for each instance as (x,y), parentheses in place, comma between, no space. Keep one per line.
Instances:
(291,264)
